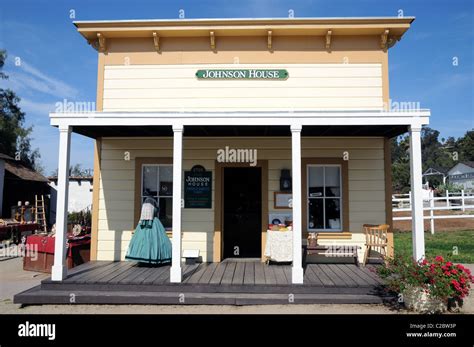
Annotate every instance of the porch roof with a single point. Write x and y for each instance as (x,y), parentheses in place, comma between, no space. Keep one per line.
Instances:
(240,131)
(315,123)
(397,26)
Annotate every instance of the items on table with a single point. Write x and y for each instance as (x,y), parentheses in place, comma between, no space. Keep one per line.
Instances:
(23,213)
(280,227)
(280,221)
(312,240)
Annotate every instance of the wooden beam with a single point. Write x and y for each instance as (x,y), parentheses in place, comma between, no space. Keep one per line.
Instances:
(101,42)
(328,40)
(384,39)
(156,41)
(95,199)
(59,269)
(212,38)
(176,275)
(297,268)
(388,195)
(417,230)
(269,40)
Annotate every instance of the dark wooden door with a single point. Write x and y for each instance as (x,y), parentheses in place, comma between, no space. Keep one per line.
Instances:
(242,212)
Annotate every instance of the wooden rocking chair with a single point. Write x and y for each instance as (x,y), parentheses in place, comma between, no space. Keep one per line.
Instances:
(376,236)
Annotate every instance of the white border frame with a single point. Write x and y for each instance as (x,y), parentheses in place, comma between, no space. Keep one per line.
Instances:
(416,118)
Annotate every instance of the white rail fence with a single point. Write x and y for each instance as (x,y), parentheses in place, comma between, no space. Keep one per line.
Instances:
(453,201)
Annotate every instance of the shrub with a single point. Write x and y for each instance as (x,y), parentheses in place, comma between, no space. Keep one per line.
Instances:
(451,187)
(83,218)
(439,278)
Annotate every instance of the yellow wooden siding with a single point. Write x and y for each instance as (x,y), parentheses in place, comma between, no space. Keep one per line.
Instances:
(116,203)
(309,87)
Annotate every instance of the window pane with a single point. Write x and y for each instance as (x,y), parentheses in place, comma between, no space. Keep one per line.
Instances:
(315,214)
(315,181)
(150,180)
(166,212)
(333,213)
(333,181)
(166,180)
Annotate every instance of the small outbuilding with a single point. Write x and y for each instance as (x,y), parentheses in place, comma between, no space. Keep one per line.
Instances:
(18,183)
(462,174)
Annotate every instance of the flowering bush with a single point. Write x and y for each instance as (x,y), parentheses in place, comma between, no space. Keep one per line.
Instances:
(439,278)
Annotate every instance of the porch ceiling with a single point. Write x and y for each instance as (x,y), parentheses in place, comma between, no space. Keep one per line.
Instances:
(234,131)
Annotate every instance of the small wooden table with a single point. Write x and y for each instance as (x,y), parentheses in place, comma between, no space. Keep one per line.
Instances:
(339,250)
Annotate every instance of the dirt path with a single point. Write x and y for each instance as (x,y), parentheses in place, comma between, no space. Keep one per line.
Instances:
(14,280)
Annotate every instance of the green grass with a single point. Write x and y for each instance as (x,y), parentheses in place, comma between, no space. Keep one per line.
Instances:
(443,243)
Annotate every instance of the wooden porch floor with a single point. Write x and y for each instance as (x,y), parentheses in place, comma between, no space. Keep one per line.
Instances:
(228,282)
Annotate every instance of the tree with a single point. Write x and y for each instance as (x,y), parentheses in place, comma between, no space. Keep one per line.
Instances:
(75,171)
(78,171)
(465,146)
(400,164)
(15,139)
(439,155)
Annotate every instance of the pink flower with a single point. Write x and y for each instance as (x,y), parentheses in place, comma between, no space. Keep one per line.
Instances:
(439,258)
(462,268)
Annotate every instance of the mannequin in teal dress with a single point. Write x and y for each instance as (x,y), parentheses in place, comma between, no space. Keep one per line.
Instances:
(149,244)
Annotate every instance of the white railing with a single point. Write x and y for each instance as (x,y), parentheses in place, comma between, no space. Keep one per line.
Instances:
(451,201)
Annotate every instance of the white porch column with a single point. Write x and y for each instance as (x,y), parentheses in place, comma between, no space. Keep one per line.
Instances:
(175,271)
(59,270)
(297,269)
(416,194)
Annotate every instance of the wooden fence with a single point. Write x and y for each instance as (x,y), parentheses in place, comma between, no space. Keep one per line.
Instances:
(451,201)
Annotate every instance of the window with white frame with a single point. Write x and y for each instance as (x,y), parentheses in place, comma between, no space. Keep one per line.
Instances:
(324,195)
(157,183)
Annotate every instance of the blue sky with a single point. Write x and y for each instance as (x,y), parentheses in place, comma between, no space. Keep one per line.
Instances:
(57,63)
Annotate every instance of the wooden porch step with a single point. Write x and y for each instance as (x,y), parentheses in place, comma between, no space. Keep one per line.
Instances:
(356,289)
(37,295)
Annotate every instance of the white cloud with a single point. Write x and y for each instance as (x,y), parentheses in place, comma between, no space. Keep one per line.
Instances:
(31,107)
(28,78)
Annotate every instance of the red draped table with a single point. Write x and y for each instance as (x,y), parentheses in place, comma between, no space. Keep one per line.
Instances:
(39,252)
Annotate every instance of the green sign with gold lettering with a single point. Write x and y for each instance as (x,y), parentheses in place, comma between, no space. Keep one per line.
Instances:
(242,74)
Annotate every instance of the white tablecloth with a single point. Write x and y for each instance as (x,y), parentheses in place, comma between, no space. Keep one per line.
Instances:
(279,246)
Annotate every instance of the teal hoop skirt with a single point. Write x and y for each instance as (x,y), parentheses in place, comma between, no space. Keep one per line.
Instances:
(149,243)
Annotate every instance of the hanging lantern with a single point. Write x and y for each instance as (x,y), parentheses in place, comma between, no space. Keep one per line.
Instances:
(285,180)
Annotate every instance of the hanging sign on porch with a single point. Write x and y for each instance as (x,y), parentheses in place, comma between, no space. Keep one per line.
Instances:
(242,74)
(198,188)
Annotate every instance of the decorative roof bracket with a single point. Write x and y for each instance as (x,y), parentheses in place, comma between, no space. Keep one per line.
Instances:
(269,40)
(392,40)
(328,40)
(384,40)
(212,37)
(101,42)
(156,41)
